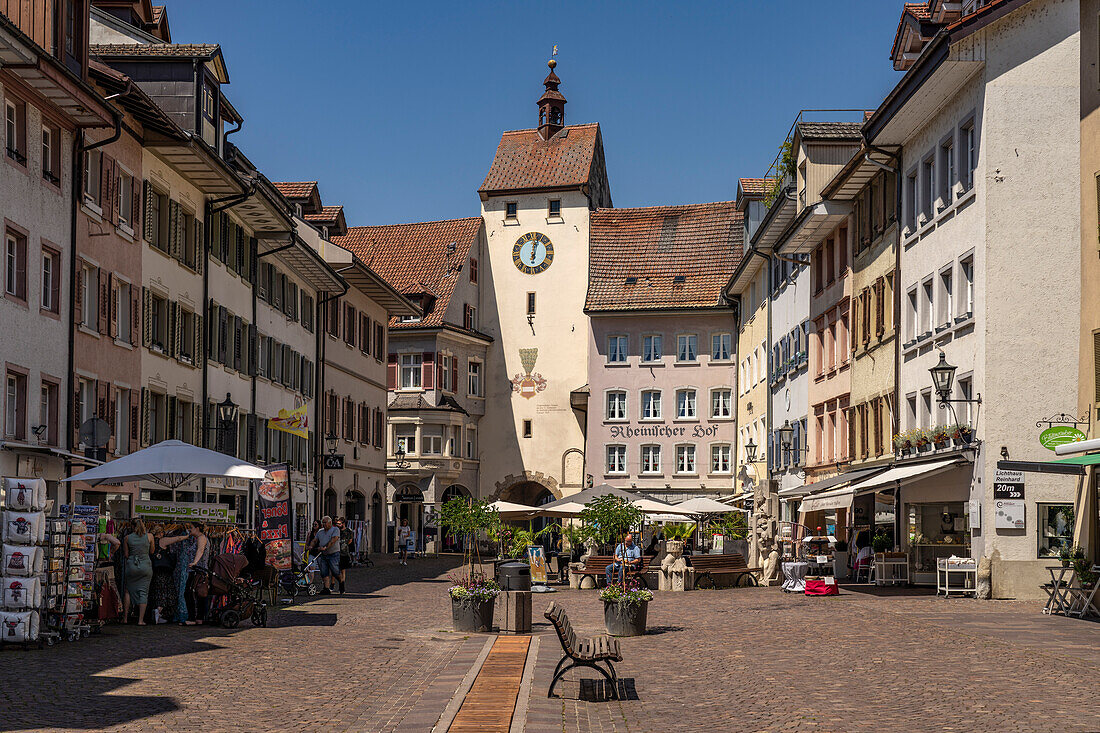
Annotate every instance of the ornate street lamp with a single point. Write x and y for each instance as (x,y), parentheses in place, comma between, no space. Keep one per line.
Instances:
(786,435)
(943,377)
(227,423)
(401,463)
(331,441)
(750,452)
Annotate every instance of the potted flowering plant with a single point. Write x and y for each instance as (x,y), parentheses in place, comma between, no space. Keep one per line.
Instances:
(473,596)
(922,440)
(941,436)
(624,607)
(962,434)
(903,442)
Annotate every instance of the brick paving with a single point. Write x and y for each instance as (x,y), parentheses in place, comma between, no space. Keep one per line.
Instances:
(382,658)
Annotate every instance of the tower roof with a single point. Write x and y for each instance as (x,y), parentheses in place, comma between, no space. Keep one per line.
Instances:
(525,161)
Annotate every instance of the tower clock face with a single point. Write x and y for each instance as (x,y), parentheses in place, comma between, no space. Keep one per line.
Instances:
(533,253)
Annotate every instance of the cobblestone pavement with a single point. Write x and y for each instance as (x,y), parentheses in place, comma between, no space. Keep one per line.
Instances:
(382,658)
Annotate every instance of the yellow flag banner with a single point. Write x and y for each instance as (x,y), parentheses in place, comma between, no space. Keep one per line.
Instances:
(295,422)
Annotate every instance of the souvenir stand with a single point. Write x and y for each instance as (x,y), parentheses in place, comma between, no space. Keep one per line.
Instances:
(26,589)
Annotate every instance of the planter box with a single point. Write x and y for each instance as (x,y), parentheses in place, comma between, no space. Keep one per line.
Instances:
(625,619)
(472,615)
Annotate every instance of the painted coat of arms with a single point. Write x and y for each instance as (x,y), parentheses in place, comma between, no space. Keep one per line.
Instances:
(530,383)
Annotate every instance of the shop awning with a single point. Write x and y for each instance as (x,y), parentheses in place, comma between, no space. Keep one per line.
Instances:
(835,499)
(902,474)
(1089,459)
(841,479)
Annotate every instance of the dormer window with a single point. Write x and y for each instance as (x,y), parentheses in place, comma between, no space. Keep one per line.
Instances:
(324,232)
(298,210)
(208,101)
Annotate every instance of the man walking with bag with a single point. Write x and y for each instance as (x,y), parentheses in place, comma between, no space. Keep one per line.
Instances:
(328,544)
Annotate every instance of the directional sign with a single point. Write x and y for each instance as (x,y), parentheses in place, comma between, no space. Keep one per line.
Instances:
(1008,485)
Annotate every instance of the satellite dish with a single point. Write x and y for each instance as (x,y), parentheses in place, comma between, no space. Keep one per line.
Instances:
(95,432)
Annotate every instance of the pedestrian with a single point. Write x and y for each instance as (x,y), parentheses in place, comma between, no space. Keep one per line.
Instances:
(139,571)
(162,591)
(328,545)
(406,541)
(311,538)
(195,550)
(347,546)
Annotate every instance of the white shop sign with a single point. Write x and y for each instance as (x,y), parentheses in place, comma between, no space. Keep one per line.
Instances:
(1009,514)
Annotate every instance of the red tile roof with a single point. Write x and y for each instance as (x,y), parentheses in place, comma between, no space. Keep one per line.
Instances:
(296,189)
(662,257)
(524,160)
(920,11)
(417,258)
(327,214)
(754,186)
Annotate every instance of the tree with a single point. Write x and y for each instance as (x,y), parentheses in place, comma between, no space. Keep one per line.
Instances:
(612,517)
(467,518)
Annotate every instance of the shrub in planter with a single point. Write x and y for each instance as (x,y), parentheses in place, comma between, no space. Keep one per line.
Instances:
(903,443)
(962,434)
(881,543)
(940,436)
(625,609)
(473,595)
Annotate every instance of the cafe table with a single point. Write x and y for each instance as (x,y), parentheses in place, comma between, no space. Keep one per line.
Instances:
(1061,579)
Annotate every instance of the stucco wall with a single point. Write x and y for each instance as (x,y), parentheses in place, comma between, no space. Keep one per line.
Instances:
(752,383)
(790,306)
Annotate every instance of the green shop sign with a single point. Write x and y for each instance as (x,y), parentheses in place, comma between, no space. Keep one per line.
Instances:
(182,511)
(1053,437)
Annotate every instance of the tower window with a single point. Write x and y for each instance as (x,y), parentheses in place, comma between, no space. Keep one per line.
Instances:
(527,428)
(555,208)
(530,304)
(510,210)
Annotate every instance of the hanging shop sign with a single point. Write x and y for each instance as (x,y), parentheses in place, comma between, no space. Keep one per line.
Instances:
(182,511)
(408,494)
(1058,435)
(1008,485)
(295,422)
(334,462)
(275,520)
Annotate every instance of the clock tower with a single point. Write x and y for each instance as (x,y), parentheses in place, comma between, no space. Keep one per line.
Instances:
(536,202)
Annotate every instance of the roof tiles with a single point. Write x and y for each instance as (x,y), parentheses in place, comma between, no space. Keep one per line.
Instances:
(662,257)
(417,258)
(159,50)
(327,214)
(754,186)
(296,189)
(830,130)
(524,160)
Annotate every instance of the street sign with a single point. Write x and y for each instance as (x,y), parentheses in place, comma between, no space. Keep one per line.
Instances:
(1008,485)
(334,462)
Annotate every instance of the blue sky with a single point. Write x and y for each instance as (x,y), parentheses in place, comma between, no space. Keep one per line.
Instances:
(396,108)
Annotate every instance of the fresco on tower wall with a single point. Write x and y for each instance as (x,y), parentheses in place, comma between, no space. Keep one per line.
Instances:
(530,382)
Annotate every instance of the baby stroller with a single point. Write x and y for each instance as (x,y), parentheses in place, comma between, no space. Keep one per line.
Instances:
(242,597)
(302,578)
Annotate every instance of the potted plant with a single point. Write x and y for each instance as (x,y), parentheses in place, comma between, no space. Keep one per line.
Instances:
(1083,568)
(922,440)
(941,436)
(881,543)
(624,608)
(676,534)
(903,443)
(473,595)
(577,537)
(840,560)
(962,434)
(1070,554)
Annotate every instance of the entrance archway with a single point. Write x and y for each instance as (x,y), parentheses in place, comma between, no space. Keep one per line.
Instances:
(356,506)
(450,542)
(329,504)
(408,503)
(533,493)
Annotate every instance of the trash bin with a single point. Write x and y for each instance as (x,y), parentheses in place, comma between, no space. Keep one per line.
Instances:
(514,576)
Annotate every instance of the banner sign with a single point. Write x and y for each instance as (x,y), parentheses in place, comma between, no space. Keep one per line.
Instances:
(537,557)
(295,422)
(275,516)
(1008,485)
(182,511)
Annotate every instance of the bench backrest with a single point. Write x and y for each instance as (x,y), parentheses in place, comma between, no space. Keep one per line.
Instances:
(566,635)
(600,562)
(709,562)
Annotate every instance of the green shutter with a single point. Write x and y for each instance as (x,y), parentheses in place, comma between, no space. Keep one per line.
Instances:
(150,223)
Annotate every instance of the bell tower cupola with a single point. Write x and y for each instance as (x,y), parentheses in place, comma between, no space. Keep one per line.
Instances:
(551,105)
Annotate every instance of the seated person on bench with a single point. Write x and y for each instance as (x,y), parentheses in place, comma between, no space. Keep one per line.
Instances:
(628,556)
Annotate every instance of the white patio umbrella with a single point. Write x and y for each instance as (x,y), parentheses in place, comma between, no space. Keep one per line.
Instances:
(510,510)
(170,463)
(652,506)
(561,509)
(703,505)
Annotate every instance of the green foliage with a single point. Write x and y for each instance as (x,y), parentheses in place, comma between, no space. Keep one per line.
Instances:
(881,542)
(786,166)
(576,536)
(617,593)
(611,517)
(678,532)
(521,538)
(1083,568)
(732,525)
(467,518)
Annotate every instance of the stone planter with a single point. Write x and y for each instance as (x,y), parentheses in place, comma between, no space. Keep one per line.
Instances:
(674,548)
(625,619)
(469,615)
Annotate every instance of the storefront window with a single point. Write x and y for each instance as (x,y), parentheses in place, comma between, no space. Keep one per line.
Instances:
(1055,528)
(936,530)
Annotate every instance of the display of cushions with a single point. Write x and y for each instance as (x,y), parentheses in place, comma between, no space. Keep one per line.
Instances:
(17,594)
(24,528)
(18,626)
(25,494)
(21,560)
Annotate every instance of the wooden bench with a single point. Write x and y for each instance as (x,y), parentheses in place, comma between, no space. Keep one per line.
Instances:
(586,652)
(708,566)
(596,566)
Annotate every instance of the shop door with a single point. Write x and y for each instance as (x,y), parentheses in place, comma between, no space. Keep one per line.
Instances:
(377,522)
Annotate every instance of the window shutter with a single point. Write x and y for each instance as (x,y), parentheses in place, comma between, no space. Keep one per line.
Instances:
(200,248)
(144,416)
(427,372)
(112,307)
(135,208)
(250,441)
(146,318)
(171,404)
(135,419)
(170,335)
(237,350)
(106,186)
(454,374)
(148,223)
(198,345)
(78,304)
(223,238)
(1096,362)
(253,351)
(223,336)
(103,321)
(253,261)
(391,373)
